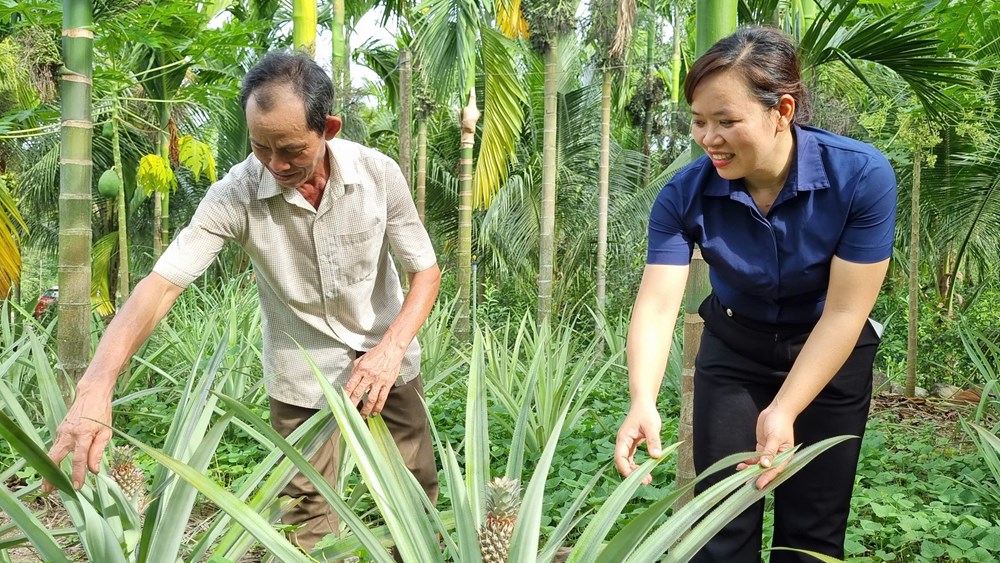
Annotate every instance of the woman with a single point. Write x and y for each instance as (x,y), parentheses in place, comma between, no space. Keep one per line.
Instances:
(796,224)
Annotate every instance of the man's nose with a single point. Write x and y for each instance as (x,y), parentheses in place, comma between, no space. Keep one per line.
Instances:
(278,164)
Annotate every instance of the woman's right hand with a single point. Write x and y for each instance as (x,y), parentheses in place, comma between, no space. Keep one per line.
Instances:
(642,424)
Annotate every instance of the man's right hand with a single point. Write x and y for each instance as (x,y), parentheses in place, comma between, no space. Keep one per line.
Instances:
(85,432)
(641,425)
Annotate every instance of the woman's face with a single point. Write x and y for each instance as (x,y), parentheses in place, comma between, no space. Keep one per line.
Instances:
(738,133)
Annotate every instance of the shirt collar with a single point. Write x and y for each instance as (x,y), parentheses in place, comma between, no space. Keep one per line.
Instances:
(808,172)
(343,159)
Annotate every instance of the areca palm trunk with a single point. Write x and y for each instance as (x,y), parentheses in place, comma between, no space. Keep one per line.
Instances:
(469,117)
(675,79)
(808,13)
(422,169)
(122,289)
(405,117)
(604,168)
(161,200)
(75,174)
(548,210)
(304,25)
(715,20)
(647,118)
(914,277)
(339,55)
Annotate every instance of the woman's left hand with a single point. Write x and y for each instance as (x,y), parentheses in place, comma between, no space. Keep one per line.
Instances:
(775,435)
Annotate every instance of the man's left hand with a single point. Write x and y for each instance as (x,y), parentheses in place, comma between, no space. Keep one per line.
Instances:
(775,434)
(374,373)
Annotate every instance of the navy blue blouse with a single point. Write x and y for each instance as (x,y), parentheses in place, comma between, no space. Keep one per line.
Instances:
(839,200)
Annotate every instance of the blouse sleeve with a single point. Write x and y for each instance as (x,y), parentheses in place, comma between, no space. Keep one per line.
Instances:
(868,233)
(669,242)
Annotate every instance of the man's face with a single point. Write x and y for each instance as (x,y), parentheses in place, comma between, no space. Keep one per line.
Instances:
(282,141)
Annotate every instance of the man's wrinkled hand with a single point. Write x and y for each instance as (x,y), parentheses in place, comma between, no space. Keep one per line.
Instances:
(374,374)
(84,433)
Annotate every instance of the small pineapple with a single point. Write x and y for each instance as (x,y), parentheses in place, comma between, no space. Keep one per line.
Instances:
(503,501)
(125,472)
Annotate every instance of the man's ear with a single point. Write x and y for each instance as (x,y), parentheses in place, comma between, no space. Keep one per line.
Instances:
(333,125)
(786,112)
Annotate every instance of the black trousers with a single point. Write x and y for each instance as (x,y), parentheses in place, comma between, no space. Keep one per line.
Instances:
(739,368)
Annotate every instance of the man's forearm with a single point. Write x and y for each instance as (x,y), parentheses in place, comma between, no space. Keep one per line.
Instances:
(149,302)
(415,310)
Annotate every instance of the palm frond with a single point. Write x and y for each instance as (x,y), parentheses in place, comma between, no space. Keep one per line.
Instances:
(901,41)
(503,117)
(446,45)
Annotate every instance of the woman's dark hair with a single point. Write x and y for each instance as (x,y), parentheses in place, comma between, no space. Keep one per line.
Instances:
(298,71)
(766,59)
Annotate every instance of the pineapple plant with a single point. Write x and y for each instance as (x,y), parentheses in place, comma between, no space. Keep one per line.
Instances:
(127,474)
(503,501)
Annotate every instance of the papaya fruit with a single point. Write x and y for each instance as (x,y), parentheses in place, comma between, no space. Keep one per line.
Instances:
(108,185)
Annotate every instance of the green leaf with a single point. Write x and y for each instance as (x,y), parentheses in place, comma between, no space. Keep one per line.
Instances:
(931,550)
(590,541)
(36,533)
(325,489)
(270,539)
(155,175)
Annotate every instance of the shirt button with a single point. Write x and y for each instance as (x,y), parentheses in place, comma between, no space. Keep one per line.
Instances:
(729,312)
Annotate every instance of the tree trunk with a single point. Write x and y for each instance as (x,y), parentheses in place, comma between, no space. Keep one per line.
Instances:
(405,117)
(604,168)
(75,174)
(339,56)
(647,118)
(122,289)
(422,169)
(469,117)
(715,20)
(546,230)
(304,26)
(157,222)
(914,278)
(808,14)
(675,81)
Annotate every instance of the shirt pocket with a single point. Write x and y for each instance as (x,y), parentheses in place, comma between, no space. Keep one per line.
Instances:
(359,253)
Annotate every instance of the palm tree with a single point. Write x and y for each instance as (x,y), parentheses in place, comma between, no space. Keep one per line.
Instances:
(73,337)
(448,40)
(715,20)
(549,22)
(613,23)
(304,25)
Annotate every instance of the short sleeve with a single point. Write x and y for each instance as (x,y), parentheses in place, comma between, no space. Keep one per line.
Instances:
(669,242)
(871,222)
(218,219)
(411,245)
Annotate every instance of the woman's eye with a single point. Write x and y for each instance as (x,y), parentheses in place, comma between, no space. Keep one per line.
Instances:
(726,123)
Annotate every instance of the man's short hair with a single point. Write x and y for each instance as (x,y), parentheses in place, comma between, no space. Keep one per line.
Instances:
(298,71)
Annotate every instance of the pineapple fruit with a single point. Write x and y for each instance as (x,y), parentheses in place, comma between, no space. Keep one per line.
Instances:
(503,501)
(127,474)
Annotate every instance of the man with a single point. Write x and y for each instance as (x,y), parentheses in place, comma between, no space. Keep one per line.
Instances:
(317,216)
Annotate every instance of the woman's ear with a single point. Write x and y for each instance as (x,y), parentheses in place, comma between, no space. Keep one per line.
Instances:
(786,112)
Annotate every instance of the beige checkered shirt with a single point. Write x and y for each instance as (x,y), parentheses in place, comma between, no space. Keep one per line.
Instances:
(324,276)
